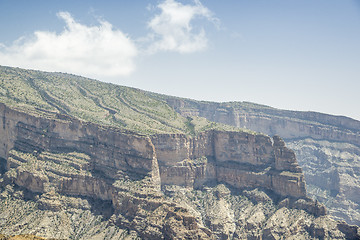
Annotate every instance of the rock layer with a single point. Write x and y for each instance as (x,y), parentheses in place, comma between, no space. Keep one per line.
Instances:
(71,157)
(271,121)
(240,159)
(323,165)
(73,164)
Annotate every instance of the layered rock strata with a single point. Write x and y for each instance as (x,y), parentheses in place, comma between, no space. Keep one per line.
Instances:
(326,146)
(61,156)
(271,121)
(333,170)
(77,158)
(240,159)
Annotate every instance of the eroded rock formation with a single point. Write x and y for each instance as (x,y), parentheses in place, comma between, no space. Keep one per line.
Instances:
(81,159)
(70,157)
(327,147)
(271,121)
(240,159)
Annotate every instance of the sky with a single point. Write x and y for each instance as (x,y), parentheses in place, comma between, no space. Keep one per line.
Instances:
(297,55)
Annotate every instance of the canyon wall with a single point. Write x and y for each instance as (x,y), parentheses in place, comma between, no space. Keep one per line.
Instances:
(287,124)
(326,146)
(110,149)
(59,154)
(240,159)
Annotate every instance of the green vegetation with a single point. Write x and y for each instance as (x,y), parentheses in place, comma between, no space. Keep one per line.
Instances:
(190,126)
(64,164)
(48,94)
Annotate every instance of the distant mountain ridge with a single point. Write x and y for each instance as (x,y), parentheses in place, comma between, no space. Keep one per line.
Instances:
(265,119)
(327,147)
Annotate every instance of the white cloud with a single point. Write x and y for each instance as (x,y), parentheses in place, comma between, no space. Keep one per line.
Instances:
(173,29)
(106,53)
(93,51)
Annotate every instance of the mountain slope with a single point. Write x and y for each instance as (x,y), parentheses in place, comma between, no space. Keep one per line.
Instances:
(326,146)
(81,159)
(48,94)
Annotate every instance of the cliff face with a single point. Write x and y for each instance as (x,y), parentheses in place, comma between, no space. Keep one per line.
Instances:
(81,159)
(323,166)
(69,157)
(111,150)
(333,169)
(287,124)
(240,159)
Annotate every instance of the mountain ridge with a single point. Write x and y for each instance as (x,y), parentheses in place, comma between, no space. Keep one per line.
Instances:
(68,142)
(298,132)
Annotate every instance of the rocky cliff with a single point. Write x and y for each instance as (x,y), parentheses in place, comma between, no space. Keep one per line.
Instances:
(332,146)
(333,170)
(70,157)
(271,121)
(74,165)
(239,159)
(56,159)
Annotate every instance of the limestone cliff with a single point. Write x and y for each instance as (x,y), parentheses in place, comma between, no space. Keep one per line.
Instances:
(52,156)
(333,171)
(240,159)
(271,121)
(49,157)
(334,186)
(81,159)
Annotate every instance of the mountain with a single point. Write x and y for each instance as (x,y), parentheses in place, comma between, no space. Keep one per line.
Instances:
(326,146)
(82,159)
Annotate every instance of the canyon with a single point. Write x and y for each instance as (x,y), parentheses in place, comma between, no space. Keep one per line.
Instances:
(77,163)
(326,146)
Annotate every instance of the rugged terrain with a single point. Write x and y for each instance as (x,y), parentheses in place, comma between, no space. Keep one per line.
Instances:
(81,159)
(326,146)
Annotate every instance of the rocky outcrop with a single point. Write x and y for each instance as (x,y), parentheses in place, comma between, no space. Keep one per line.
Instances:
(110,149)
(271,121)
(326,146)
(252,214)
(240,159)
(60,158)
(84,159)
(333,171)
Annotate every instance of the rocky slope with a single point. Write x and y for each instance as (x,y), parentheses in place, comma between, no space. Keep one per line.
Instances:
(329,157)
(76,165)
(54,158)
(333,168)
(20,237)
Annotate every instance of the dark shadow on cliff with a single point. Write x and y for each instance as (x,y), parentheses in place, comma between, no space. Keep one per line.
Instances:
(101,207)
(2,166)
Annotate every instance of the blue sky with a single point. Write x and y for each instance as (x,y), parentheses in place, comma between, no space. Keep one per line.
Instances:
(299,55)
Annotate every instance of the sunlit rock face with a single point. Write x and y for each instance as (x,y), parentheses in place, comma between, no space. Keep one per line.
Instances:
(60,161)
(81,159)
(326,146)
(240,159)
